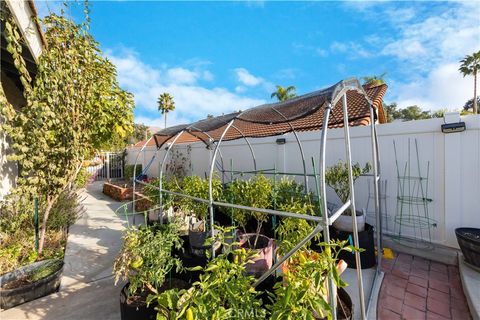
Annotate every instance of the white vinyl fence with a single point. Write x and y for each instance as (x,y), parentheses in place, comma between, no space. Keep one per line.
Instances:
(453,160)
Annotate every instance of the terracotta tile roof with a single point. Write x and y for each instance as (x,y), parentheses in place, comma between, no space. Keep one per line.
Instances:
(304,113)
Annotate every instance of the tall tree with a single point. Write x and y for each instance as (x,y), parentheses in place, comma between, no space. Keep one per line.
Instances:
(73,107)
(283,94)
(470,66)
(165,105)
(469,104)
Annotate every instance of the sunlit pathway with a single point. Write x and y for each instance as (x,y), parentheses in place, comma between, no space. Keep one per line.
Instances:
(87,290)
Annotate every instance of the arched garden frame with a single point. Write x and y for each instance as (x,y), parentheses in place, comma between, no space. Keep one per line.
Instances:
(318,110)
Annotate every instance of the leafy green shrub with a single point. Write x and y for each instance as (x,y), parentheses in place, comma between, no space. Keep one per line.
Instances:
(146,257)
(222,290)
(82,178)
(255,192)
(305,294)
(337,178)
(64,212)
(128,171)
(198,187)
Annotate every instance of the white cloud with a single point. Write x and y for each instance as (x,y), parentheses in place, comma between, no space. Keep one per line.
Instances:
(353,49)
(192,100)
(246,78)
(444,87)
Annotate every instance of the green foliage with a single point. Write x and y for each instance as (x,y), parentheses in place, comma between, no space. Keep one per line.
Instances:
(305,294)
(128,171)
(73,107)
(82,178)
(255,192)
(373,81)
(283,94)
(410,113)
(469,104)
(222,291)
(337,178)
(198,187)
(64,212)
(470,66)
(45,270)
(146,256)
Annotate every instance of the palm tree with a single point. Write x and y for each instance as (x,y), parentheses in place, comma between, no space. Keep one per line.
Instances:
(373,81)
(165,105)
(470,66)
(283,94)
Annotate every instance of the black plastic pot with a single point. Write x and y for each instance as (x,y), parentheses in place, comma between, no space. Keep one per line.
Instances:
(344,304)
(13,297)
(366,241)
(469,242)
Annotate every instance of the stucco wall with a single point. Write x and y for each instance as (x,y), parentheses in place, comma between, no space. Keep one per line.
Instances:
(454,171)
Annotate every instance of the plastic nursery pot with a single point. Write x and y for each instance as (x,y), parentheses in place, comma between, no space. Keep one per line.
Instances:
(197,237)
(469,242)
(25,291)
(135,307)
(344,305)
(264,248)
(366,241)
(344,222)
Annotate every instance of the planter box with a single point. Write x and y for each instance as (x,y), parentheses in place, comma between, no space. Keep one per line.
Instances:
(117,192)
(12,297)
(264,248)
(469,242)
(142,203)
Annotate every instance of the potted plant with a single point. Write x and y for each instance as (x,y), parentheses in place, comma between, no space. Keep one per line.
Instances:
(255,192)
(224,291)
(146,261)
(198,187)
(304,292)
(337,178)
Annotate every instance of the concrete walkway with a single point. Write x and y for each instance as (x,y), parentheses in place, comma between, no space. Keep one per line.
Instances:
(87,290)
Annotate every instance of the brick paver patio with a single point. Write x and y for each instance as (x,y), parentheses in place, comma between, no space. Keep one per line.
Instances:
(415,289)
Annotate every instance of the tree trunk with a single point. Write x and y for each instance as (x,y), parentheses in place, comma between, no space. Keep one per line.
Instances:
(50,203)
(475,107)
(165,120)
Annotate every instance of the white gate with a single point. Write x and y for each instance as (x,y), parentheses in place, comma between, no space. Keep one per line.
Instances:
(107,166)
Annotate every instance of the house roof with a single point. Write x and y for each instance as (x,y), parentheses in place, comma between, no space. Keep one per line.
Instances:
(303,113)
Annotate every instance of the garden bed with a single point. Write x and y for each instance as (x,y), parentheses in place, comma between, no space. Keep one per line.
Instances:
(120,190)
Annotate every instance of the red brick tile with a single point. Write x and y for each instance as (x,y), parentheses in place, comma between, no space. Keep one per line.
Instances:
(438,307)
(423,265)
(455,282)
(439,296)
(410,313)
(414,301)
(438,276)
(435,316)
(439,285)
(459,304)
(420,273)
(405,257)
(439,267)
(419,291)
(394,280)
(460,314)
(387,265)
(385,314)
(393,304)
(401,273)
(394,291)
(453,271)
(457,293)
(418,281)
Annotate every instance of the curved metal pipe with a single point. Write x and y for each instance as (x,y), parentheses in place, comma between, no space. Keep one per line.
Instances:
(249,146)
(356,241)
(323,201)
(213,141)
(135,175)
(210,189)
(299,146)
(161,171)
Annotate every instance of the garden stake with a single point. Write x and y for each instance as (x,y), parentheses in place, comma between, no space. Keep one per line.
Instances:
(35,219)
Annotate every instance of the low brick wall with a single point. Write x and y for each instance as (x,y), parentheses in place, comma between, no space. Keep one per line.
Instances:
(116,192)
(142,203)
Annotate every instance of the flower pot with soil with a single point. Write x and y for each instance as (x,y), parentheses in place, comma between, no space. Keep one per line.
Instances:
(366,242)
(30,282)
(262,247)
(146,262)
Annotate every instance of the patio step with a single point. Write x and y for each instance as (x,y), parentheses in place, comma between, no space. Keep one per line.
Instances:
(471,286)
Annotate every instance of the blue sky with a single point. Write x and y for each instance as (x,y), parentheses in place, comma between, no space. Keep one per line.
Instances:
(218,57)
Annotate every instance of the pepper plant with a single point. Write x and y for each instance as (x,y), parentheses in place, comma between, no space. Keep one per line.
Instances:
(73,107)
(146,257)
(198,187)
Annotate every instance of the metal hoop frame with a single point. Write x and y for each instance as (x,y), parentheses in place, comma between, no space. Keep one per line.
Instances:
(324,221)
